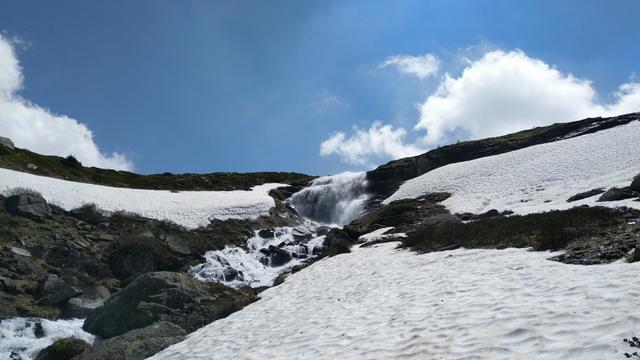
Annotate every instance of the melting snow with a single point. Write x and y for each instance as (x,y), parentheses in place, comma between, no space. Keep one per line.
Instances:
(537,178)
(188,208)
(18,335)
(382,303)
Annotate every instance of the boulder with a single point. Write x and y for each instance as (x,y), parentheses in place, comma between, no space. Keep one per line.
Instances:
(6,143)
(441,219)
(28,204)
(89,214)
(19,251)
(585,195)
(267,233)
(617,194)
(136,344)
(165,296)
(81,306)
(63,349)
(275,256)
(177,244)
(635,184)
(52,290)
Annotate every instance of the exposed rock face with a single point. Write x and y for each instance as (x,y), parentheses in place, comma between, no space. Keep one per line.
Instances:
(167,296)
(89,214)
(31,205)
(136,344)
(585,195)
(63,349)
(616,194)
(6,143)
(386,179)
(635,185)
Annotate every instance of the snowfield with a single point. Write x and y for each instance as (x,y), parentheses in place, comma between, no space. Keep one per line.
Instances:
(190,209)
(383,303)
(537,178)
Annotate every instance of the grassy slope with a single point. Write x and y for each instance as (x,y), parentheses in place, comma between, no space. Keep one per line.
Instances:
(57,167)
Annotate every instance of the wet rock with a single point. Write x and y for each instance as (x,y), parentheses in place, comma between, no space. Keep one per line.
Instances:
(165,296)
(28,204)
(266,233)
(275,256)
(617,194)
(63,349)
(89,214)
(335,235)
(585,195)
(38,330)
(136,344)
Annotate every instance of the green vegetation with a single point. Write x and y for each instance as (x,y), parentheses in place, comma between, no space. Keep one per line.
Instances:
(70,168)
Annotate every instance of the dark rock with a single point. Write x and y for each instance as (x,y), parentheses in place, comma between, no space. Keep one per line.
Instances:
(276,256)
(28,204)
(38,330)
(635,184)
(336,235)
(177,244)
(617,194)
(137,344)
(266,233)
(585,195)
(63,349)
(440,219)
(25,266)
(89,214)
(174,297)
(52,290)
(635,256)
(8,285)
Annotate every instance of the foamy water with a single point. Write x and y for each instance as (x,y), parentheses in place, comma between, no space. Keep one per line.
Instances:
(382,303)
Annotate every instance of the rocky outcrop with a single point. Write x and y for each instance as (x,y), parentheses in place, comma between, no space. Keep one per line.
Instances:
(28,204)
(617,194)
(585,195)
(6,145)
(136,344)
(63,349)
(635,184)
(89,214)
(165,296)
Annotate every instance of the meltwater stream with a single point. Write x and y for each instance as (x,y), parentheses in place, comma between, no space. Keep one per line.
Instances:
(329,201)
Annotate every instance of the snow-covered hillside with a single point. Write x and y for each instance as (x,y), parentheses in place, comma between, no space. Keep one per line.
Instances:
(188,208)
(537,178)
(382,303)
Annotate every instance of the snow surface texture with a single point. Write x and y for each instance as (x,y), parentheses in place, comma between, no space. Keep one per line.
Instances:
(17,334)
(236,267)
(380,235)
(383,303)
(335,200)
(188,208)
(538,178)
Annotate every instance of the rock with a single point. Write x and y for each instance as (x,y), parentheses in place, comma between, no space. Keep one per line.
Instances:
(8,285)
(25,266)
(63,349)
(275,256)
(635,184)
(81,306)
(28,204)
(31,166)
(165,296)
(617,194)
(53,291)
(38,330)
(440,219)
(266,233)
(6,143)
(177,244)
(19,251)
(136,344)
(335,235)
(89,214)
(585,195)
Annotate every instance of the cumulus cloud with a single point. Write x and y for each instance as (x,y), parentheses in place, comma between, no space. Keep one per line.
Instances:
(33,127)
(422,66)
(378,141)
(499,93)
(504,92)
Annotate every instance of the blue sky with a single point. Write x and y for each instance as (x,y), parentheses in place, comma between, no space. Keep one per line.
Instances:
(202,86)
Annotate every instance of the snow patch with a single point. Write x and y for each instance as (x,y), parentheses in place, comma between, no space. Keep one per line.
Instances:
(538,178)
(383,303)
(190,209)
(17,335)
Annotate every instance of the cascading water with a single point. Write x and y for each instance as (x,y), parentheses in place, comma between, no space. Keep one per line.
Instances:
(330,200)
(335,200)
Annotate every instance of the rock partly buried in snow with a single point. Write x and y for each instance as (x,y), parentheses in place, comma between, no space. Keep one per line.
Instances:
(63,349)
(136,344)
(635,184)
(617,194)
(31,205)
(173,297)
(585,195)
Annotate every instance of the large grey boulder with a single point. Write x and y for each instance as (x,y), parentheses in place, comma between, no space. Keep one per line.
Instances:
(165,296)
(28,204)
(136,344)
(81,306)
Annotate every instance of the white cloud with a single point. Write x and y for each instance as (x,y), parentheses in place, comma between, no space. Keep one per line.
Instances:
(327,100)
(379,140)
(499,93)
(35,128)
(504,92)
(421,66)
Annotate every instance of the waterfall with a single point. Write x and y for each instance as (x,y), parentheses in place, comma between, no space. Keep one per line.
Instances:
(335,200)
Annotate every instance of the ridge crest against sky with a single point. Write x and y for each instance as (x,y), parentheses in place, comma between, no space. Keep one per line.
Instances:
(315,87)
